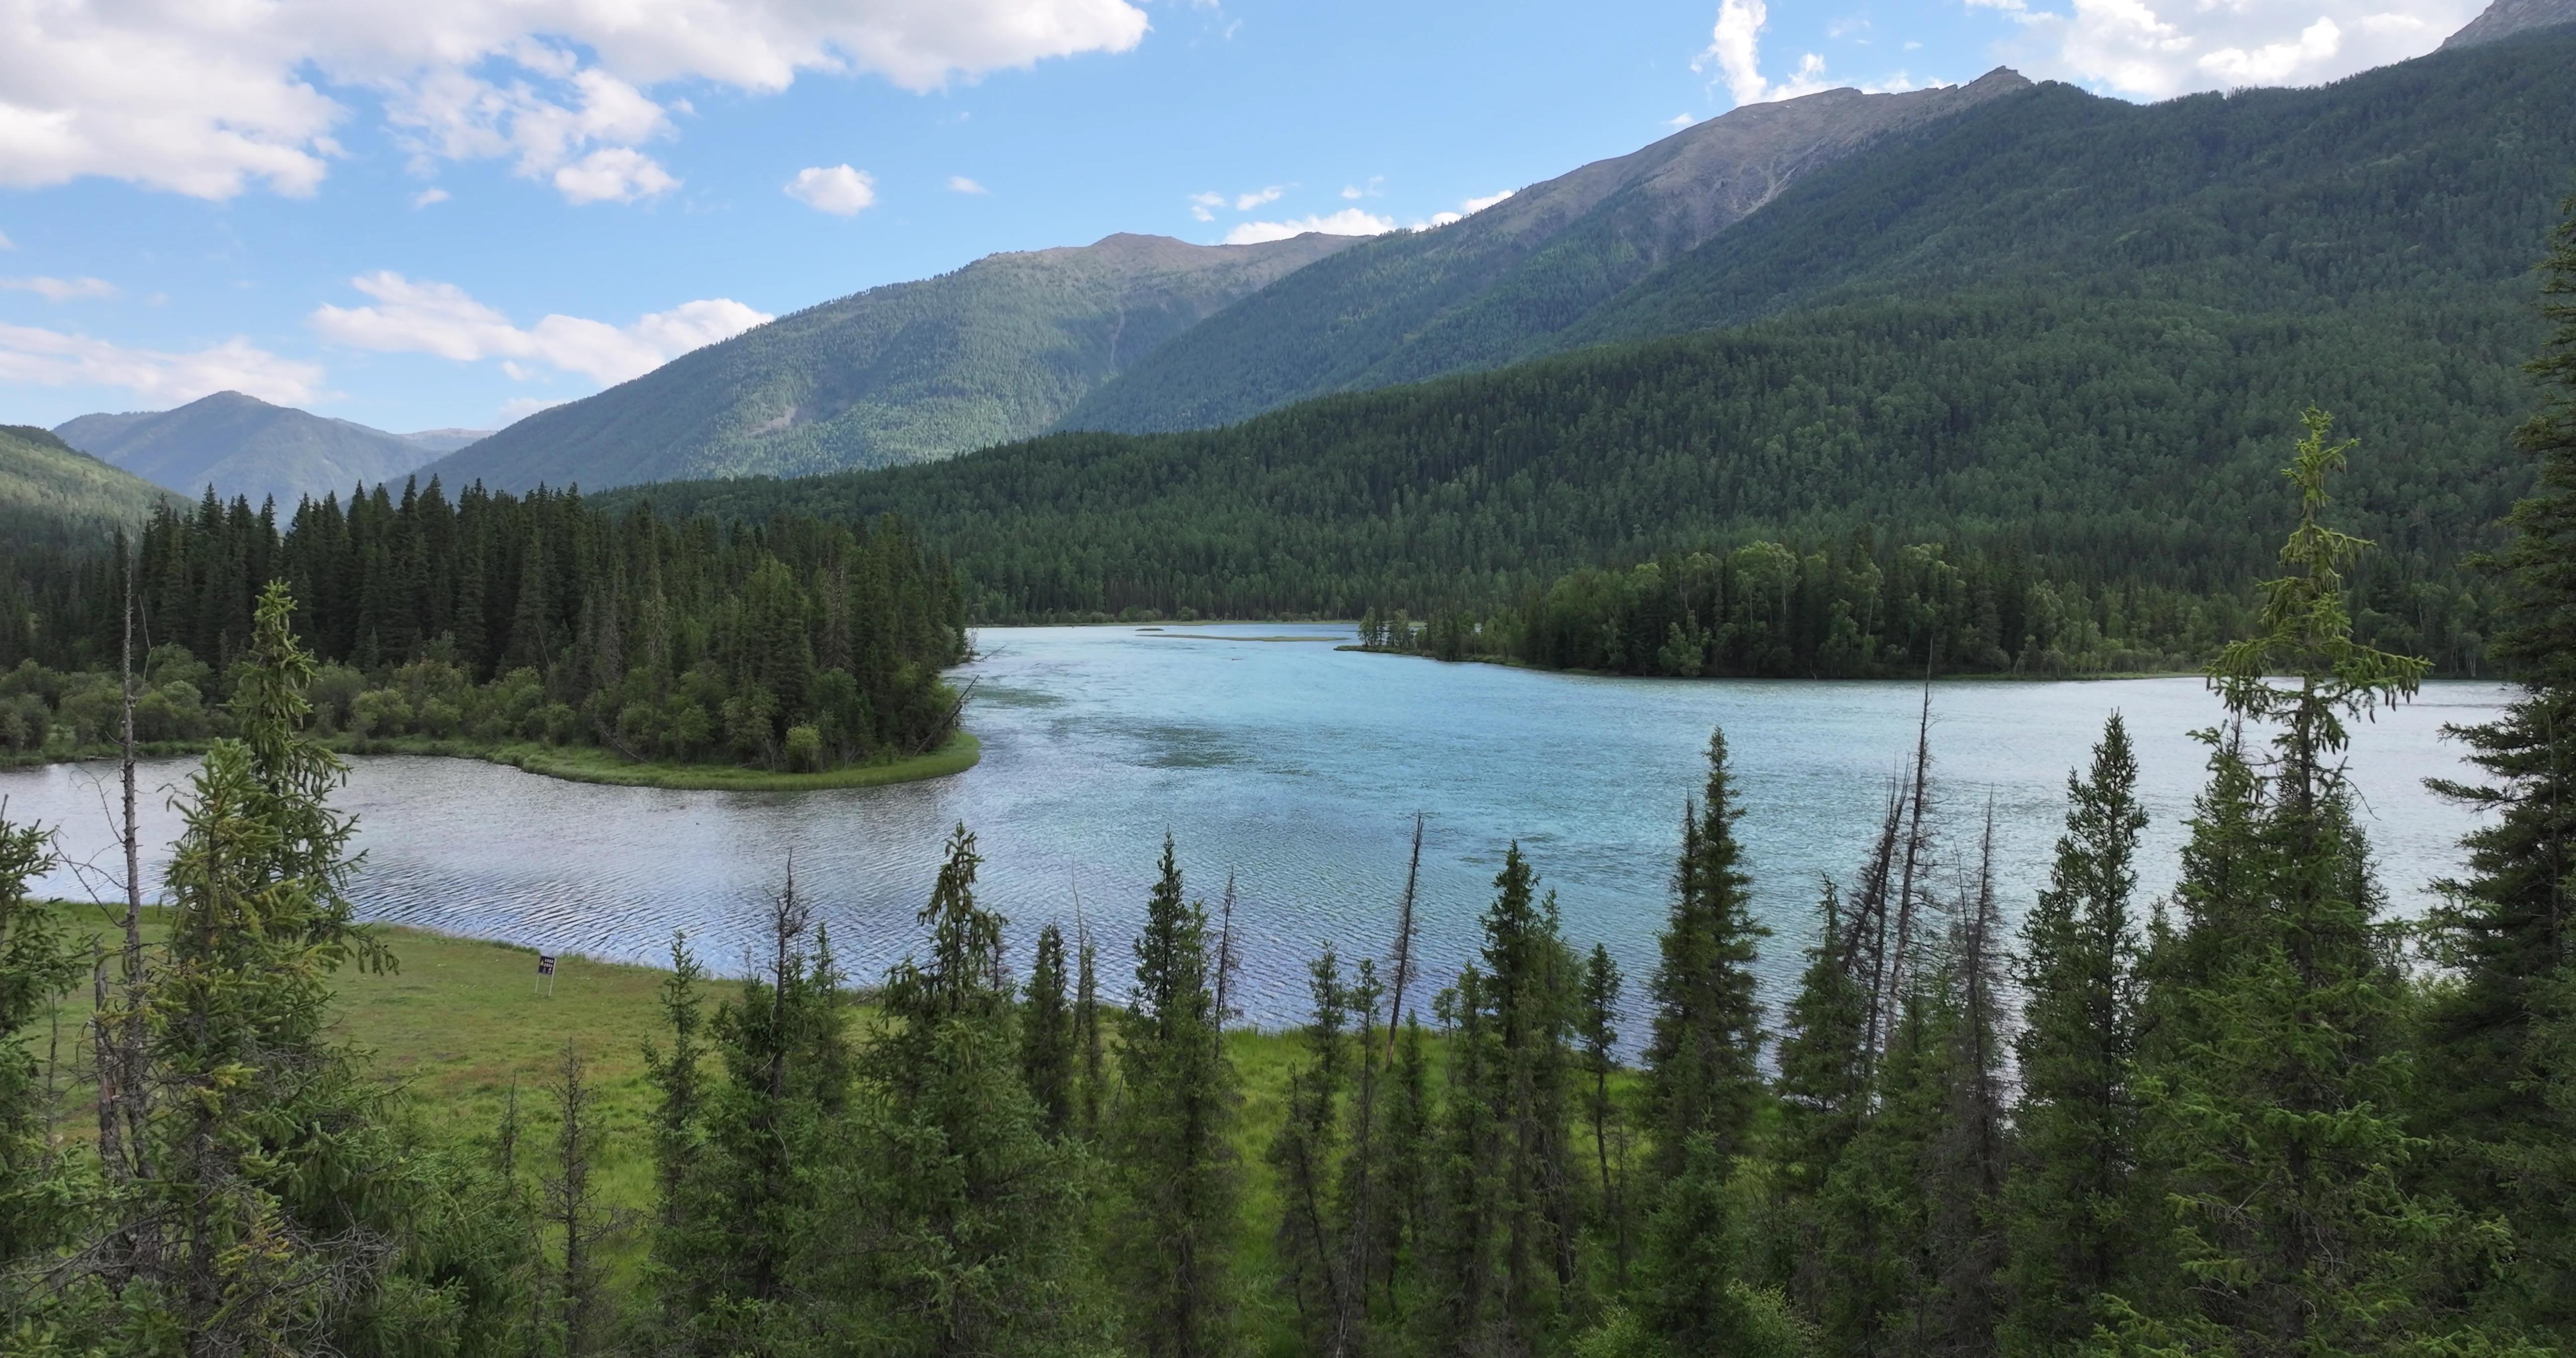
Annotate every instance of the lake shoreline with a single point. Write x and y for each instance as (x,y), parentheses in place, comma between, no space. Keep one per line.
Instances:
(582,764)
(1995,676)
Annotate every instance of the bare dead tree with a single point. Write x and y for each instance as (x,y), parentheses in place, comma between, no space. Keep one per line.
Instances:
(1404,940)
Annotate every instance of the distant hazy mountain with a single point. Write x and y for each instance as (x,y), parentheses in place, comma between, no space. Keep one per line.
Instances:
(242,445)
(436,442)
(1490,289)
(912,371)
(2505,18)
(54,494)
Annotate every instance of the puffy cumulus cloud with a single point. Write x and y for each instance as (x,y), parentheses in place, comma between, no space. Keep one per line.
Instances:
(1350,221)
(1245,202)
(958,183)
(2156,49)
(613,174)
(157,377)
(836,189)
(214,99)
(60,289)
(1734,53)
(1203,205)
(444,320)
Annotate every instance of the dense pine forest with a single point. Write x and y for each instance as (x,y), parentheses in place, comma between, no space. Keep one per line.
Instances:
(2261,1117)
(495,618)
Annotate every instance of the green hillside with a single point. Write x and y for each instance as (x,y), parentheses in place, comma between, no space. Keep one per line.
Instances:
(52,495)
(2430,179)
(992,352)
(243,446)
(2115,441)
(1410,305)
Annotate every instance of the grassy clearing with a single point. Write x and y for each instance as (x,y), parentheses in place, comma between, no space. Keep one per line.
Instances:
(583,764)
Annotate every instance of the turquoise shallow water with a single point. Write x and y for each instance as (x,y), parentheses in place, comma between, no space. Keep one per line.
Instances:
(1298,768)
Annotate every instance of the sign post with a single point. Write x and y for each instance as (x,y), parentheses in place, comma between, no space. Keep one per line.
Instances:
(546,972)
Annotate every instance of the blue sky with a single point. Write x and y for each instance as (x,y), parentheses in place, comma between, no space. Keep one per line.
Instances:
(420,215)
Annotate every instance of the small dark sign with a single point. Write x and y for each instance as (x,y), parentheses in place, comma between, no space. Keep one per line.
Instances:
(545,964)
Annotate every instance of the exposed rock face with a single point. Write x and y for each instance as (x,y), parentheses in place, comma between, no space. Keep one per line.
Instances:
(995,351)
(2505,18)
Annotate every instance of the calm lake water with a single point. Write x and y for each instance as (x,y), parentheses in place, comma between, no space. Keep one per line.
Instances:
(1298,768)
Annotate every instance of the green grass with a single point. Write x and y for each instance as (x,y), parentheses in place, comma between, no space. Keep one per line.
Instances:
(585,764)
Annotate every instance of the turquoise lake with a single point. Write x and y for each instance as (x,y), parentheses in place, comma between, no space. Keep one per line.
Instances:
(1298,768)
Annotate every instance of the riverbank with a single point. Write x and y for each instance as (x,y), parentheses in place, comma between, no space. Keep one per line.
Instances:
(588,764)
(1998,676)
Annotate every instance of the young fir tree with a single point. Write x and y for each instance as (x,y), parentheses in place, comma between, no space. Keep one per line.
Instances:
(2079,1201)
(2497,1099)
(678,1124)
(1703,1062)
(1400,1225)
(1089,1050)
(754,1211)
(2275,1116)
(577,1302)
(1172,1252)
(1361,1189)
(1823,1091)
(964,1202)
(245,1234)
(1874,1212)
(1511,1221)
(1598,1029)
(1047,1035)
(1966,1162)
(1301,1160)
(36,964)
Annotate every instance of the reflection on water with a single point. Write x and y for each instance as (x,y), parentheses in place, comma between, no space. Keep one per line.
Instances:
(1299,768)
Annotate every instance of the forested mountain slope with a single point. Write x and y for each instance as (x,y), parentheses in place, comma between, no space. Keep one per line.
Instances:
(2431,181)
(243,446)
(2506,18)
(2114,441)
(911,371)
(1475,293)
(53,495)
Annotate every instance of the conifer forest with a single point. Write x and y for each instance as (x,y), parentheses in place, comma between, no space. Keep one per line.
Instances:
(2261,1117)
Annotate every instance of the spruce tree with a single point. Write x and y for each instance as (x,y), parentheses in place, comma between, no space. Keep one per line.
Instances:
(2496,1102)
(679,1116)
(1598,1029)
(2276,1116)
(963,1204)
(1301,1159)
(1172,1249)
(1047,1035)
(1508,1254)
(2079,1200)
(578,1313)
(1703,1061)
(36,964)
(1823,1089)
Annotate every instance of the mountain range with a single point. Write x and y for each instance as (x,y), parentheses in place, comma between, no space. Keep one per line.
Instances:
(243,446)
(997,350)
(2050,325)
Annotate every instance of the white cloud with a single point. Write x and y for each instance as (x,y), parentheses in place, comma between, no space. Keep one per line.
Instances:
(2156,49)
(1680,120)
(160,379)
(60,289)
(1203,205)
(958,183)
(428,196)
(1350,221)
(613,174)
(1248,201)
(1476,205)
(442,319)
(518,408)
(836,189)
(212,100)
(1735,51)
